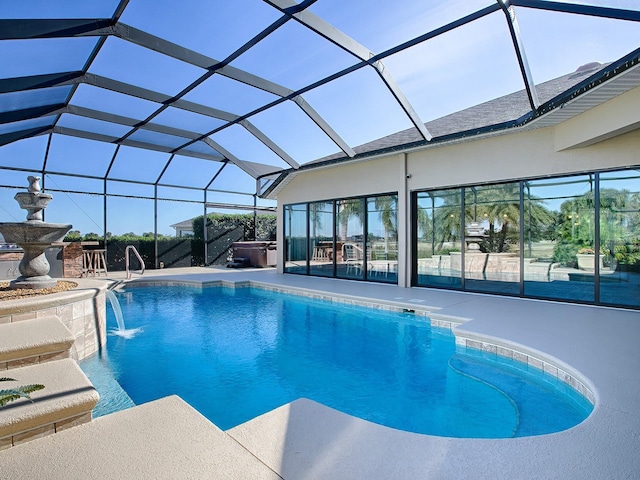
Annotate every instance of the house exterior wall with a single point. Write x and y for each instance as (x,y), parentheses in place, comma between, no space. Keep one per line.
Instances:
(512,156)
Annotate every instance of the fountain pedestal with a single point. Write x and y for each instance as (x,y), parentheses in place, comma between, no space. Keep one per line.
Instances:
(34,236)
(34,266)
(474,235)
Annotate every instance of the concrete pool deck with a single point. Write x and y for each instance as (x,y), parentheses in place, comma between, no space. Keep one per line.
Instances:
(305,440)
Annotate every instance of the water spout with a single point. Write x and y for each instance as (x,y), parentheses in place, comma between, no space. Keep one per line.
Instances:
(121,331)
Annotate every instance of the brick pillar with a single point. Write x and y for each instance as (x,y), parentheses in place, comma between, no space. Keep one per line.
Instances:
(72,260)
(11,256)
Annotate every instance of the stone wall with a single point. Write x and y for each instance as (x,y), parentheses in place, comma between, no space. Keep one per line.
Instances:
(72,260)
(11,256)
(82,311)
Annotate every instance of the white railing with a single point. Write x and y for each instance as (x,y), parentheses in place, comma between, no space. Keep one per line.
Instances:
(131,248)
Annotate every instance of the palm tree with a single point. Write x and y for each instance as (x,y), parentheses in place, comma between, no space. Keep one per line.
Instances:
(347,209)
(499,207)
(446,221)
(496,207)
(387,206)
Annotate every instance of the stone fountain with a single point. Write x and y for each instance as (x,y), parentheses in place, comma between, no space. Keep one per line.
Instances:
(474,235)
(34,236)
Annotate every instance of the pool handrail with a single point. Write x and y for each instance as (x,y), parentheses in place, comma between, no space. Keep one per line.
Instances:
(126,260)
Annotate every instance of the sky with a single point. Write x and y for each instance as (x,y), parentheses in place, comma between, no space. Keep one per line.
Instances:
(456,70)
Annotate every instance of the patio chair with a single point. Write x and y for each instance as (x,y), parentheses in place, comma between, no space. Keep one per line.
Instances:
(378,263)
(320,253)
(352,255)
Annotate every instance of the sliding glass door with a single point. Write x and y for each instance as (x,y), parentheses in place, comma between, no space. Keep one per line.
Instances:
(574,238)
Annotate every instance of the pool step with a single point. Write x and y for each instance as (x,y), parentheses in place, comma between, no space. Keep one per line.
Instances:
(66,401)
(33,341)
(163,439)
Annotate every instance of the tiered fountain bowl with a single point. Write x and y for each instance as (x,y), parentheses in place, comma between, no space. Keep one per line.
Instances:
(474,236)
(34,236)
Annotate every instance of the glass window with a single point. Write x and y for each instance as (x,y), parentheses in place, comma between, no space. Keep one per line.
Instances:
(559,238)
(335,241)
(620,238)
(438,238)
(295,238)
(492,238)
(382,238)
(350,214)
(321,238)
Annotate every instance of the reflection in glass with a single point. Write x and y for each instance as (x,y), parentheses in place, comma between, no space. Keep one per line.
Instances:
(332,236)
(492,238)
(350,237)
(295,238)
(382,238)
(620,238)
(559,238)
(438,243)
(321,238)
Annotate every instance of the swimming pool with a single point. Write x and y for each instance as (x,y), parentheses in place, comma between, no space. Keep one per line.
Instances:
(234,354)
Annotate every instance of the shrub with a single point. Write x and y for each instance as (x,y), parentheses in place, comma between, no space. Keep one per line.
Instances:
(565,254)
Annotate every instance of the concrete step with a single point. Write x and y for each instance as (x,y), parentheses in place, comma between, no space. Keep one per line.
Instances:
(66,400)
(163,439)
(33,341)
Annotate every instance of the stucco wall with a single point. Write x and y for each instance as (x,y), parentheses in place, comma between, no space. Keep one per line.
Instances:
(515,155)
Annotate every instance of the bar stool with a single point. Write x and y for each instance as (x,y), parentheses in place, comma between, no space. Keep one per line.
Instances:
(99,262)
(87,262)
(94,263)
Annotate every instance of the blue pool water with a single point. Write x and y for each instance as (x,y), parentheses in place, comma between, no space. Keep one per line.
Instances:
(234,354)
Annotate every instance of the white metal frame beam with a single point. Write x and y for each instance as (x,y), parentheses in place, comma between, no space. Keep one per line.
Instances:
(337,37)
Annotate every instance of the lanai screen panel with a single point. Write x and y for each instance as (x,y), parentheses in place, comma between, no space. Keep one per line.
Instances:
(269,86)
